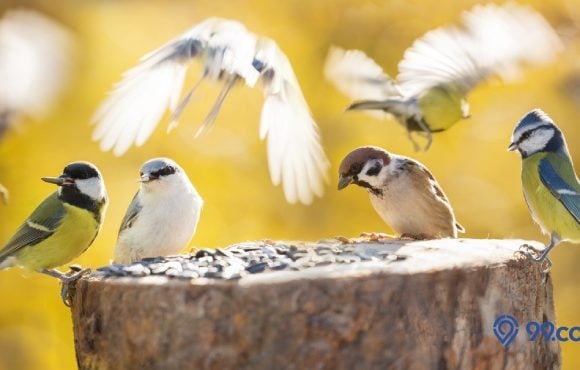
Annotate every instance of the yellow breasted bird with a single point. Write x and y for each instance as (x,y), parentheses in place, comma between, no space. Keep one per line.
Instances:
(63,226)
(442,67)
(550,184)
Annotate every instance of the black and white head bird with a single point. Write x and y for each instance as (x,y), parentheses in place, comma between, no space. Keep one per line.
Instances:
(230,54)
(163,216)
(440,68)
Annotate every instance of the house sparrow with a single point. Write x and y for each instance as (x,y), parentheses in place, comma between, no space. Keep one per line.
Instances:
(442,67)
(163,216)
(230,54)
(402,191)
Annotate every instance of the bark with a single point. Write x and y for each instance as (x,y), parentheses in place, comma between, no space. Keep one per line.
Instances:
(433,310)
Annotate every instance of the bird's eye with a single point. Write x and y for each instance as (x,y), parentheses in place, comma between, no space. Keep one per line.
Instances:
(356,168)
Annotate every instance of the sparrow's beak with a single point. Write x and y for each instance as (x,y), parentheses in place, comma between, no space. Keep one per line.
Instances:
(512,147)
(344,181)
(60,181)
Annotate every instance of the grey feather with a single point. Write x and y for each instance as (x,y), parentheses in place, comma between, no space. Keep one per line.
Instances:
(132,213)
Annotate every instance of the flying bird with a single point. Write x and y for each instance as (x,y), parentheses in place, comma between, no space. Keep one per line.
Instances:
(549,181)
(35,59)
(440,69)
(231,55)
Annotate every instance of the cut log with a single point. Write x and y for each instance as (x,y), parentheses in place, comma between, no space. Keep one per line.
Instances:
(401,305)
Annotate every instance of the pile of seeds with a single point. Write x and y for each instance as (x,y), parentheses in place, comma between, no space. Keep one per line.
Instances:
(249,258)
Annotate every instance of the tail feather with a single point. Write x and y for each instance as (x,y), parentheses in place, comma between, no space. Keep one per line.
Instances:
(396,107)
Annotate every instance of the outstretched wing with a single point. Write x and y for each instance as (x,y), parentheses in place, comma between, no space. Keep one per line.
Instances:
(357,76)
(493,40)
(564,187)
(136,104)
(40,225)
(295,155)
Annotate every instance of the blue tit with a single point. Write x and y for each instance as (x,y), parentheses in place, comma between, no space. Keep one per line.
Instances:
(63,226)
(440,69)
(550,184)
(231,56)
(163,216)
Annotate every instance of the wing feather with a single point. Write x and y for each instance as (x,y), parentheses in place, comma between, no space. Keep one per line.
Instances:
(40,225)
(567,194)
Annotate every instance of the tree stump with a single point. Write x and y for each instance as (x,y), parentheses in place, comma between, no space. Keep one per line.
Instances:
(390,304)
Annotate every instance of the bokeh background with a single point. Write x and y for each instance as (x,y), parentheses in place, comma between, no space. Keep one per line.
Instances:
(228,166)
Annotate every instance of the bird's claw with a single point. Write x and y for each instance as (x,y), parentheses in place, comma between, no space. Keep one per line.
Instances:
(68,279)
(535,255)
(372,236)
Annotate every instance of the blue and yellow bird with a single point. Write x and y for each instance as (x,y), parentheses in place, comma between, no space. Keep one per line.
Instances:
(63,226)
(550,184)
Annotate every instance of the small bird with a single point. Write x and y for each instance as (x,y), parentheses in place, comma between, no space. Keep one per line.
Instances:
(549,182)
(403,192)
(230,55)
(63,226)
(163,216)
(36,55)
(442,67)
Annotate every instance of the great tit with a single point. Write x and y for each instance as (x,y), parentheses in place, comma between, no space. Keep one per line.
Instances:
(549,182)
(163,216)
(230,54)
(442,67)
(63,226)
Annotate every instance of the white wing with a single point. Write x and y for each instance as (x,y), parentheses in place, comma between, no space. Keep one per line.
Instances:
(510,35)
(444,56)
(493,40)
(357,76)
(136,104)
(35,58)
(295,156)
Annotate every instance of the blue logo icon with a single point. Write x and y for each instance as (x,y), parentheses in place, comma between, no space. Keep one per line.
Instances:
(505,328)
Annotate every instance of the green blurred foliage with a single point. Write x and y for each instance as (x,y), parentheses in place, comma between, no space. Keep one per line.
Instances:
(228,165)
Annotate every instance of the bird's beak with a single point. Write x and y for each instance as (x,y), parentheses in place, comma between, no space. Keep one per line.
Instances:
(147,178)
(512,147)
(344,181)
(60,181)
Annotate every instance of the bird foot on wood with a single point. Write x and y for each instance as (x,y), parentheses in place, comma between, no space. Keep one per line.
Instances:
(535,255)
(70,278)
(375,237)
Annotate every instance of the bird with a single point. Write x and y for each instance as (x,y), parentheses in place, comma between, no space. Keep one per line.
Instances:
(231,55)
(549,181)
(36,54)
(36,57)
(439,69)
(163,216)
(63,226)
(402,191)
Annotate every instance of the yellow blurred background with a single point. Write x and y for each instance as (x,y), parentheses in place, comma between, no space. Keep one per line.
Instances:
(228,165)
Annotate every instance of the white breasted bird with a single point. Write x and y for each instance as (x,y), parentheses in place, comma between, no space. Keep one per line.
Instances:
(403,192)
(549,182)
(163,216)
(63,226)
(444,65)
(230,54)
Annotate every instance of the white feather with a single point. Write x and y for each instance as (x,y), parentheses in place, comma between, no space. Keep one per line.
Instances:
(35,58)
(358,76)
(295,156)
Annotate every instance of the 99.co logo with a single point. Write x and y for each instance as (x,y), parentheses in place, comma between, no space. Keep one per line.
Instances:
(506,329)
